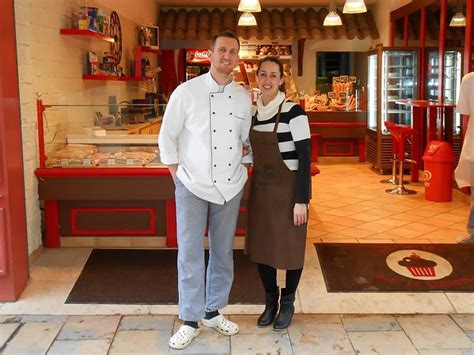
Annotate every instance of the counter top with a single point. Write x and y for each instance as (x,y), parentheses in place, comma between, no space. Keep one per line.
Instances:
(114,139)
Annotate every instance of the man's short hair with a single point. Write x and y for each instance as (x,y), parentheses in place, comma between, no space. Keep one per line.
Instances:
(227,34)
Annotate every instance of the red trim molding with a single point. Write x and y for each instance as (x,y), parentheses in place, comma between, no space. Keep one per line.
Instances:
(171,232)
(338,124)
(3,252)
(75,230)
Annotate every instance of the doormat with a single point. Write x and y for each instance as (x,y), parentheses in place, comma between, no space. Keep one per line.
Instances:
(397,267)
(132,276)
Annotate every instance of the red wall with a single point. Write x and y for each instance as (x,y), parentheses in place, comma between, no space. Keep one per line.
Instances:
(13,236)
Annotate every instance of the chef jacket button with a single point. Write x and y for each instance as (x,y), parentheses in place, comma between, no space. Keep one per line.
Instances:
(230,97)
(214,130)
(215,147)
(212,95)
(230,130)
(215,165)
(213,113)
(230,113)
(230,164)
(215,181)
(230,147)
(228,179)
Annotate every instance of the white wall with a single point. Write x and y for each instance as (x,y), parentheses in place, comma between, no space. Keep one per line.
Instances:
(54,64)
(381,11)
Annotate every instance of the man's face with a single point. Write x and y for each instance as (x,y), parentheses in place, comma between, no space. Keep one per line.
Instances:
(225,55)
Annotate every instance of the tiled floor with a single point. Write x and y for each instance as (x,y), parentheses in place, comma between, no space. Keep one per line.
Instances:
(349,205)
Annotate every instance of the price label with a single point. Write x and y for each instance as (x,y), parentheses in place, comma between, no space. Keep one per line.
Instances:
(86,162)
(331,94)
(353,79)
(130,161)
(64,161)
(111,161)
(342,95)
(344,78)
(336,80)
(317,92)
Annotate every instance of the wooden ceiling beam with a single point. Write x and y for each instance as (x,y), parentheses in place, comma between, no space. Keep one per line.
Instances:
(410,8)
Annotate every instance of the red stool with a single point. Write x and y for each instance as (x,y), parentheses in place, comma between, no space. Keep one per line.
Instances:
(314,147)
(400,133)
(394,178)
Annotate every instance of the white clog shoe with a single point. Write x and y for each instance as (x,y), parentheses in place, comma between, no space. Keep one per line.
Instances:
(183,337)
(222,325)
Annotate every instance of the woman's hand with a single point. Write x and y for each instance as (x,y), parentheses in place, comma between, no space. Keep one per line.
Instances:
(300,214)
(245,150)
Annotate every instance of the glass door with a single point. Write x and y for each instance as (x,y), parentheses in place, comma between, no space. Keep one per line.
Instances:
(399,82)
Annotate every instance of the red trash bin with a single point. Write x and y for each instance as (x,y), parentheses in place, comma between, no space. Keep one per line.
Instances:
(439,166)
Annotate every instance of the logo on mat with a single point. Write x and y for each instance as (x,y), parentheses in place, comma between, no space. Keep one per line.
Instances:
(419,265)
(428,177)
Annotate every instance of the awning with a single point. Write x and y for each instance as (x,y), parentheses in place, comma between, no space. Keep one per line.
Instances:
(204,24)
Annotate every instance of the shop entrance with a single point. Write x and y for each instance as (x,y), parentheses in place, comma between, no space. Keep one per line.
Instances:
(13,245)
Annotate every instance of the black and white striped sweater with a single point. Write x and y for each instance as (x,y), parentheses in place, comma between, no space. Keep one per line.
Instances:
(294,142)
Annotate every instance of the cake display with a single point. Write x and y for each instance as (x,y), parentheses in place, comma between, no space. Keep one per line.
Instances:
(418,266)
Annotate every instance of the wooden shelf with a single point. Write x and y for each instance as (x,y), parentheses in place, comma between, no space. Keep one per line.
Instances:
(85,33)
(114,78)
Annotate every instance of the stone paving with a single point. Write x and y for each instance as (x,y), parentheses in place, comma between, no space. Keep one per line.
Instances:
(308,334)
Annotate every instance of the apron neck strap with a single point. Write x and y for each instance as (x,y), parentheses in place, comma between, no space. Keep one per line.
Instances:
(278,117)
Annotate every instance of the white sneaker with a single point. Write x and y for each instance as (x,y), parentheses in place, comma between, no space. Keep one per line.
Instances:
(183,337)
(469,239)
(222,325)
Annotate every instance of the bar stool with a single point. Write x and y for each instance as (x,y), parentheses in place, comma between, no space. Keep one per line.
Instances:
(394,178)
(401,133)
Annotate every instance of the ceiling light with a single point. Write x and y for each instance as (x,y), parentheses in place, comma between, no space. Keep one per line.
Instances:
(332,19)
(247,19)
(458,20)
(249,6)
(354,7)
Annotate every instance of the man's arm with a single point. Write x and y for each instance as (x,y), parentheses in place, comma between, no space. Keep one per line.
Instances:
(247,156)
(173,122)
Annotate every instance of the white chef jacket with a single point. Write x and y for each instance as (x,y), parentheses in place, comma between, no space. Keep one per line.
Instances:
(203,131)
(464,172)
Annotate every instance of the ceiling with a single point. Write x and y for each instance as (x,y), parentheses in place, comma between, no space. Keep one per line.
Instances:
(267,3)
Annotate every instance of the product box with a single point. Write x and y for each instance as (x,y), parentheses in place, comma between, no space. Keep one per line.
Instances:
(92,63)
(92,13)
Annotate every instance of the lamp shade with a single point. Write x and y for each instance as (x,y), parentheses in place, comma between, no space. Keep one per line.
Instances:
(249,6)
(332,19)
(354,7)
(458,20)
(247,19)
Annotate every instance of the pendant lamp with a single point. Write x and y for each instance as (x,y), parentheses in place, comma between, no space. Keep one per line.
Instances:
(332,18)
(458,20)
(354,7)
(247,19)
(249,6)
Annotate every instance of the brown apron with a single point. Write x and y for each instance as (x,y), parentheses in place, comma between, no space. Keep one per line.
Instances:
(272,237)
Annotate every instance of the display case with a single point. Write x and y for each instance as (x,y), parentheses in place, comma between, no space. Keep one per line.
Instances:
(452,80)
(392,76)
(101,180)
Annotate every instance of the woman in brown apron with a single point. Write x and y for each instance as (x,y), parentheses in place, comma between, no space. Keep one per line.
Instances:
(280,192)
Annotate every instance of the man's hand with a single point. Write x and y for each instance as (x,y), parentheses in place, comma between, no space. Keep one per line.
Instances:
(245,150)
(466,190)
(300,214)
(172,169)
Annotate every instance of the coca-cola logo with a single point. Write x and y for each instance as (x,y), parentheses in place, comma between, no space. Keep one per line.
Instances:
(201,55)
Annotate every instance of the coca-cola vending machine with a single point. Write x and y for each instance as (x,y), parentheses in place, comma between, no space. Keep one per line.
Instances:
(196,62)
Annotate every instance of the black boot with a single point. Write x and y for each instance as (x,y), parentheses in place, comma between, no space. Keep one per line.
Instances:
(271,308)
(287,309)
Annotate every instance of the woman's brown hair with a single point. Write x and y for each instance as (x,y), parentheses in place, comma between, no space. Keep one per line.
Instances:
(280,66)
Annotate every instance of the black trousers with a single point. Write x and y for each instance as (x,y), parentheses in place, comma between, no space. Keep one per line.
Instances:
(268,275)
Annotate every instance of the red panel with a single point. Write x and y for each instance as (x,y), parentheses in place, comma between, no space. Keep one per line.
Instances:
(422,53)
(52,224)
(442,45)
(95,172)
(3,252)
(338,124)
(13,236)
(85,33)
(74,212)
(468,37)
(171,233)
(328,144)
(405,31)
(392,33)
(361,149)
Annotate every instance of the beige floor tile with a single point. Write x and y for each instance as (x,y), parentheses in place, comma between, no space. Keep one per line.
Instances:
(369,323)
(43,319)
(327,227)
(398,240)
(420,330)
(323,217)
(392,222)
(462,302)
(347,222)
(382,212)
(379,240)
(339,212)
(386,342)
(33,338)
(316,207)
(270,343)
(465,321)
(408,217)
(452,217)
(444,233)
(466,351)
(356,233)
(80,347)
(6,331)
(459,226)
(315,233)
(423,212)
(356,208)
(309,338)
(439,222)
(145,322)
(397,207)
(332,203)
(89,327)
(115,242)
(140,342)
(421,226)
(77,242)
(337,238)
(248,324)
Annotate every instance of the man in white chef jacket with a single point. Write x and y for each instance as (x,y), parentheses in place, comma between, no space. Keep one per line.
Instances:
(205,126)
(465,170)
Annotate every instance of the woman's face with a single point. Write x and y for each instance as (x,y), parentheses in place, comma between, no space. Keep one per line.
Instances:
(269,78)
